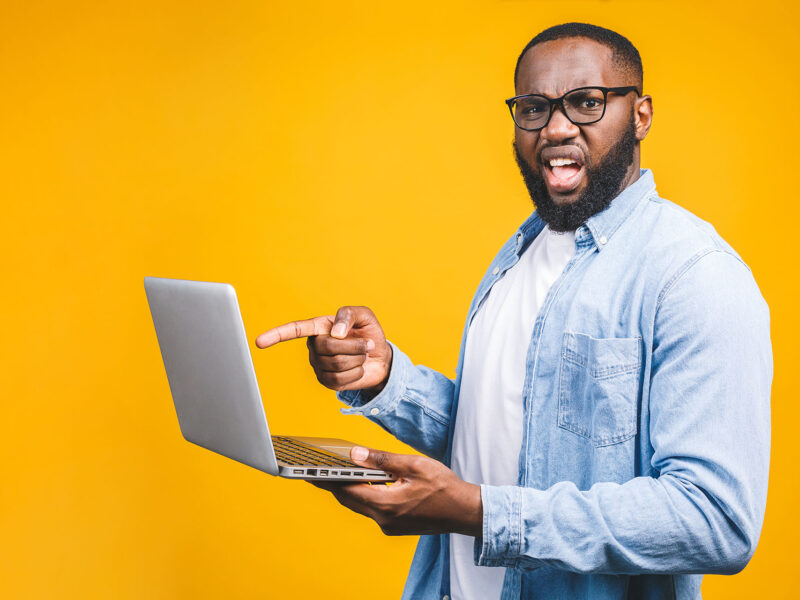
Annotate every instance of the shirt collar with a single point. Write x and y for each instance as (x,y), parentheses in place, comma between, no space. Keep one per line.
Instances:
(604,224)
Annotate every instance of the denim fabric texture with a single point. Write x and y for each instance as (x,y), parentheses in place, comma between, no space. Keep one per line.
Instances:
(645,452)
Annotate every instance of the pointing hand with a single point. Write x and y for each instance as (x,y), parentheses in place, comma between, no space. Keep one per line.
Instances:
(348,351)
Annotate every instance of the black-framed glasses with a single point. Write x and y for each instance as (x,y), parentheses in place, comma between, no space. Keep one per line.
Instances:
(582,106)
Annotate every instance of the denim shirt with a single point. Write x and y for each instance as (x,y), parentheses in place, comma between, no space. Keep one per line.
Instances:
(645,451)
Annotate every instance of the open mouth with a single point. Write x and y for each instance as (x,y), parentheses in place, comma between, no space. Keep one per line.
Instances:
(564,170)
(563,174)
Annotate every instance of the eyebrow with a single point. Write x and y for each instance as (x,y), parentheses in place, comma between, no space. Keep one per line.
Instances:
(577,87)
(566,89)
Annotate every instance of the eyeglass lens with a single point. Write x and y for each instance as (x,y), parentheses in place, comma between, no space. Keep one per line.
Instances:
(582,107)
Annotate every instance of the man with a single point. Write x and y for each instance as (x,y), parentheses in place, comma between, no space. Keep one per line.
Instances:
(608,429)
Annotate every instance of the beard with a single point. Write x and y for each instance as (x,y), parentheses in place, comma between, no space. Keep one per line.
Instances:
(603,183)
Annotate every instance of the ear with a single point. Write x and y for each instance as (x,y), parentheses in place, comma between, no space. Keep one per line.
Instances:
(643,116)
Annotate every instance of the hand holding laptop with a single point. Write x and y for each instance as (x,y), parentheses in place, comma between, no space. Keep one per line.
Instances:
(348,351)
(427,497)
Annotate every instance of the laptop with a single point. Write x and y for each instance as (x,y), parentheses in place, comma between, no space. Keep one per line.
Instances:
(214,388)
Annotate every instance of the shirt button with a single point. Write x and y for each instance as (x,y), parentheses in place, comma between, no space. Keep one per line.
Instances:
(445,597)
(495,271)
(603,240)
(374,411)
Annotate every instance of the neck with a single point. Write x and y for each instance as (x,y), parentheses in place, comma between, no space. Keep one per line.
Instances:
(632,173)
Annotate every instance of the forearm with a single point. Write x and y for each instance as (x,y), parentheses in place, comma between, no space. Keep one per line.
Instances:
(414,405)
(646,525)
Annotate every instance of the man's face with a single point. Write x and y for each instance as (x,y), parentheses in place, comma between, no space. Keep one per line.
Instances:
(606,153)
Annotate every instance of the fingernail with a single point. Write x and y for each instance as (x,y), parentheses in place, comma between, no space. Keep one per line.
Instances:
(337,330)
(370,345)
(359,453)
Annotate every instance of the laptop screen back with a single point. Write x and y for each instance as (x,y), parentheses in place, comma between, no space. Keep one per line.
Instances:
(210,369)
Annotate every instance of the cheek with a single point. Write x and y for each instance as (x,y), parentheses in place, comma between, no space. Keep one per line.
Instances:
(601,137)
(526,142)
(597,145)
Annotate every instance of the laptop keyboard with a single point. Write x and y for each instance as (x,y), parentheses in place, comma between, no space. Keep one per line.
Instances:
(294,453)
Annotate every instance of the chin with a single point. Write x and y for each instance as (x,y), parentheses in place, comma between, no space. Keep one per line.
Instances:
(564,199)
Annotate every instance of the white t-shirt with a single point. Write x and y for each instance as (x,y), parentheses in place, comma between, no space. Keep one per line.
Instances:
(488,434)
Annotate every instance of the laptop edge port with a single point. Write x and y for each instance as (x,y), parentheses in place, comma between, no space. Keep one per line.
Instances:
(323,472)
(311,472)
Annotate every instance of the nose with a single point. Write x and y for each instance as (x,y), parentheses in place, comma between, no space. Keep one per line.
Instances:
(559,128)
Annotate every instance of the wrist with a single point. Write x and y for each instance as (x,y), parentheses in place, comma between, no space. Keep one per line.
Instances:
(370,392)
(470,511)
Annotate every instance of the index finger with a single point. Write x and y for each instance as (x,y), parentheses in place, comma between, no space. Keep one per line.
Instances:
(294,330)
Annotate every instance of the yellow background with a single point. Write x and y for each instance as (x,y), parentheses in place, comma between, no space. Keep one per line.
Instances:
(314,155)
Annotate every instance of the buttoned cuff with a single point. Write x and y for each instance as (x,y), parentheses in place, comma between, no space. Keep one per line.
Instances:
(388,398)
(502,541)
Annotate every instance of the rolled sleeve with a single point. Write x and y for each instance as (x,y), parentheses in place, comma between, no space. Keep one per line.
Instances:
(502,527)
(388,398)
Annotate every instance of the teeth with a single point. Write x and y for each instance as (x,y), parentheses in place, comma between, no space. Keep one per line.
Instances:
(561,162)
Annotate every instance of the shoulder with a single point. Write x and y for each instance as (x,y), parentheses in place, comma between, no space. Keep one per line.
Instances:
(678,232)
(671,239)
(681,249)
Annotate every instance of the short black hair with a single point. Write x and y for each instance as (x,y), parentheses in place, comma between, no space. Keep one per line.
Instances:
(624,53)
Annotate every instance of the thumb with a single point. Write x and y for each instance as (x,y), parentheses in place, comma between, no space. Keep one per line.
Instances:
(352,317)
(398,464)
(342,322)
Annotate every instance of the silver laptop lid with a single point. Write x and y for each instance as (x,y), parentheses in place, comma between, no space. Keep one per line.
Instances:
(210,369)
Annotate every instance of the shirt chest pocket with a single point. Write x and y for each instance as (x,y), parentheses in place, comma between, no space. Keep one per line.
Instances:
(598,387)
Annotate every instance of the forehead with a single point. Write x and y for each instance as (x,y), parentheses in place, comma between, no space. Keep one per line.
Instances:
(555,67)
